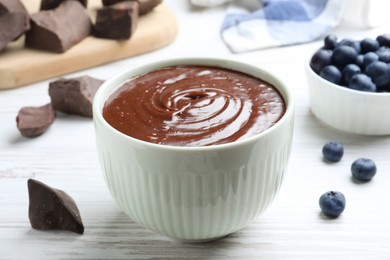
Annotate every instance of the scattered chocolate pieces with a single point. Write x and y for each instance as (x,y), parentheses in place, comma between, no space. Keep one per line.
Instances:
(71,96)
(52,209)
(61,24)
(34,121)
(51,4)
(145,6)
(116,21)
(74,96)
(59,29)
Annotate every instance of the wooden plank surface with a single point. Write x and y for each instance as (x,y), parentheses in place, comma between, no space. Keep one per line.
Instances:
(20,66)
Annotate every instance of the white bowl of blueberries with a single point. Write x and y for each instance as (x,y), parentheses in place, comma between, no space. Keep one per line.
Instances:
(349,84)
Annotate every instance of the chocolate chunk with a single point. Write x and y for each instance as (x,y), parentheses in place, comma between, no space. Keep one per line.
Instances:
(12,25)
(111,2)
(14,21)
(12,6)
(52,209)
(116,21)
(34,121)
(145,6)
(59,29)
(74,96)
(51,4)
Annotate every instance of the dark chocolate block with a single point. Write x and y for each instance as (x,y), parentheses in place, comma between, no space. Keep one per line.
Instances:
(117,21)
(34,121)
(74,96)
(15,23)
(51,4)
(52,209)
(59,29)
(12,6)
(111,2)
(12,25)
(145,6)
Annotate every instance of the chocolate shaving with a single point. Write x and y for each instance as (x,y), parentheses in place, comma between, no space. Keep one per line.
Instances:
(51,4)
(116,21)
(34,121)
(52,209)
(59,29)
(74,96)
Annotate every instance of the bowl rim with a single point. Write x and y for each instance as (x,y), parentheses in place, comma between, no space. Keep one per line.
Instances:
(340,87)
(112,84)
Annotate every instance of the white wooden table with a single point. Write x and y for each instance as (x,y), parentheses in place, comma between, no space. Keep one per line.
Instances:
(65,158)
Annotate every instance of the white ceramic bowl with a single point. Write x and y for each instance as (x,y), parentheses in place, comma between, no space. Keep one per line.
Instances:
(193,193)
(346,109)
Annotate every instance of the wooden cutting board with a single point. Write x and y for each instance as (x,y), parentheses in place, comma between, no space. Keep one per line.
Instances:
(20,66)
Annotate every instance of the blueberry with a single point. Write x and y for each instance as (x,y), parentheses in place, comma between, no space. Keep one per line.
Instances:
(320,59)
(332,203)
(363,169)
(331,73)
(383,89)
(349,71)
(330,42)
(384,40)
(369,57)
(379,73)
(368,45)
(343,55)
(350,43)
(384,54)
(362,82)
(333,151)
(360,60)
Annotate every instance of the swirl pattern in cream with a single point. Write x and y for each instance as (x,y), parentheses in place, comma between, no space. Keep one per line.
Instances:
(193,106)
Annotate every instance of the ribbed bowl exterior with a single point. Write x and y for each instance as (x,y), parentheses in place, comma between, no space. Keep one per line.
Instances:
(348,110)
(194,196)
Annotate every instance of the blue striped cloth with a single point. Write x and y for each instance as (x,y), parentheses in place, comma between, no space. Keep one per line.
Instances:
(256,24)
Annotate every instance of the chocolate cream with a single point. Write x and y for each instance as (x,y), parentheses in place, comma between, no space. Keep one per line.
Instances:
(193,106)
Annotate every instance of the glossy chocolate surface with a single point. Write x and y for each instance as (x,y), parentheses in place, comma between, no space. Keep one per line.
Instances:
(193,106)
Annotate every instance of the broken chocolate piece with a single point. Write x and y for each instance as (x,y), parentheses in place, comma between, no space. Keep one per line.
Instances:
(111,2)
(74,96)
(12,6)
(145,6)
(116,21)
(14,21)
(12,25)
(59,29)
(52,209)
(34,121)
(51,4)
